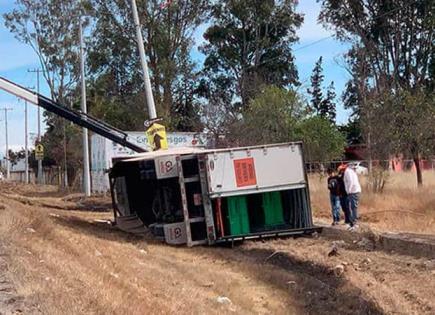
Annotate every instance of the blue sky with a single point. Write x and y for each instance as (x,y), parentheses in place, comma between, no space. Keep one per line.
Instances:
(17,58)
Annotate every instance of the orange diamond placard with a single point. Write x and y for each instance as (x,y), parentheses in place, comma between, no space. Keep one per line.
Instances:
(245,172)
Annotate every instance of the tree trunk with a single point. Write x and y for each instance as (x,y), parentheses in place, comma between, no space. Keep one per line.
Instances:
(418,170)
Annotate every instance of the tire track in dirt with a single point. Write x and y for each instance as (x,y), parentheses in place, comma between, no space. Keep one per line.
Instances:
(92,267)
(391,283)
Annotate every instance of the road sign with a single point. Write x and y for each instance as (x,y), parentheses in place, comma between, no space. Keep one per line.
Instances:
(39,152)
(156,135)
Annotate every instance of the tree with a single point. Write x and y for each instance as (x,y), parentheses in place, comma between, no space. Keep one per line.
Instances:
(352,132)
(322,140)
(410,127)
(15,157)
(168,31)
(316,86)
(327,109)
(323,106)
(51,27)
(248,44)
(395,40)
(278,115)
(271,117)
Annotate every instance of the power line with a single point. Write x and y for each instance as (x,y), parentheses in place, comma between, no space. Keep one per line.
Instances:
(313,43)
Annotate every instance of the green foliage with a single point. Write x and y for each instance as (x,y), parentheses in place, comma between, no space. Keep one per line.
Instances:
(271,117)
(248,45)
(352,131)
(322,140)
(50,27)
(391,63)
(316,86)
(115,84)
(278,115)
(323,106)
(407,119)
(168,40)
(327,109)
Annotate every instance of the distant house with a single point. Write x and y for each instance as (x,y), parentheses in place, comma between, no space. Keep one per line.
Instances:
(18,172)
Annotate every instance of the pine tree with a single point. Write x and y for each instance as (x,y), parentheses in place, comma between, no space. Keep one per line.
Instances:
(327,107)
(316,86)
(322,106)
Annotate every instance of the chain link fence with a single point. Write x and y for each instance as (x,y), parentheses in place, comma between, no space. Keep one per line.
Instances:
(394,165)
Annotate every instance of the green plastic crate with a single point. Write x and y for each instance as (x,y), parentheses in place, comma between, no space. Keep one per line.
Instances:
(238,215)
(272,206)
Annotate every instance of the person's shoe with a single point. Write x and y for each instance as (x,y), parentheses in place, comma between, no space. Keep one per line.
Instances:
(352,229)
(348,226)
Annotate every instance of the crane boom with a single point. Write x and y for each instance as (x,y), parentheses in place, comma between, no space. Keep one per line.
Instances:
(76,117)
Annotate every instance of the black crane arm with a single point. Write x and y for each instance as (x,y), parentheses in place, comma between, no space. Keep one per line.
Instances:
(78,118)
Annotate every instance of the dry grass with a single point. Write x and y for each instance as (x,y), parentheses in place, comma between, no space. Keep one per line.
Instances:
(64,262)
(401,207)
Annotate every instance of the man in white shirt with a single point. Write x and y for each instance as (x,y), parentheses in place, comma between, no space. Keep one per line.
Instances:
(353,190)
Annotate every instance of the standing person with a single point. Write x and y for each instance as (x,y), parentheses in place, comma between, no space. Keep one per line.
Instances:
(353,190)
(334,195)
(344,199)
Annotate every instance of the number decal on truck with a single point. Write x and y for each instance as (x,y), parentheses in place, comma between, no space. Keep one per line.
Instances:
(245,172)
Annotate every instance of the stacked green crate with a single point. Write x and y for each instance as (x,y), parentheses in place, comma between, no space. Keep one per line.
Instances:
(238,215)
(273,212)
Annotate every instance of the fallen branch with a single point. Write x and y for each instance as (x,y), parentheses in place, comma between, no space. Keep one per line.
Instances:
(273,254)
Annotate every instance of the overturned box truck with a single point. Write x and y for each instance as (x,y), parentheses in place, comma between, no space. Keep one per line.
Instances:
(194,196)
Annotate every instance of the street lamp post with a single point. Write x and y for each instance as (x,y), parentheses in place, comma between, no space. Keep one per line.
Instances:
(86,175)
(148,92)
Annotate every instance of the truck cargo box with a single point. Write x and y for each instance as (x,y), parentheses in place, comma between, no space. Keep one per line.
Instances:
(217,195)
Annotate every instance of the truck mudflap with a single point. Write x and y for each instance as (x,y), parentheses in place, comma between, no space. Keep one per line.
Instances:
(131,224)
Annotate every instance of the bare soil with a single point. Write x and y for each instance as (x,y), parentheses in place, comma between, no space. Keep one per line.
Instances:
(59,259)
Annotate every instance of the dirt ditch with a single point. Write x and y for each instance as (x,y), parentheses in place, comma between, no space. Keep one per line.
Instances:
(66,260)
(11,302)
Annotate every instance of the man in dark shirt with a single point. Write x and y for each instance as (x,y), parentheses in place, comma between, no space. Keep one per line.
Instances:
(334,195)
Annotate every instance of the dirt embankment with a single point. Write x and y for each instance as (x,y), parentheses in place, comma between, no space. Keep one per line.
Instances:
(63,261)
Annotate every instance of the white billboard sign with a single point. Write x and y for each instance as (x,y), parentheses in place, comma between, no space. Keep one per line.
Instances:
(104,150)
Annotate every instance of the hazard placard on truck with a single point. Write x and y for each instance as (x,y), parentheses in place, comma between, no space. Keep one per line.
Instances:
(240,171)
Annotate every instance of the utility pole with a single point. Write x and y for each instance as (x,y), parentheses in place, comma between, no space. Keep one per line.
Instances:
(148,92)
(38,71)
(26,140)
(26,144)
(86,175)
(8,167)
